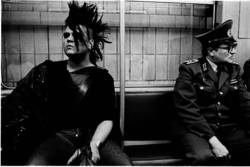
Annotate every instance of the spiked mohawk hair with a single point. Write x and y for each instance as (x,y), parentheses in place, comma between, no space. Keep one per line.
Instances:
(87,15)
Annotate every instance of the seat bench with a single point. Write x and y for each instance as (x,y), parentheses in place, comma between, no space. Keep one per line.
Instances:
(149,127)
(155,154)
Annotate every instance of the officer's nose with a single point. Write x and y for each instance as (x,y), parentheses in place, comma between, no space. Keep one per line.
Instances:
(233,50)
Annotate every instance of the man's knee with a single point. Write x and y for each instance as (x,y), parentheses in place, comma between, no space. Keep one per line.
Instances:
(37,160)
(112,154)
(202,158)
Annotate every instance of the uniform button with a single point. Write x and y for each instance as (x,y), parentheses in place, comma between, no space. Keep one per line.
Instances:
(218,103)
(235,87)
(221,93)
(218,124)
(219,114)
(201,87)
(20,107)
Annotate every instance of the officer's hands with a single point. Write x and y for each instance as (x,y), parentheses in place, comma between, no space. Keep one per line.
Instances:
(219,150)
(95,152)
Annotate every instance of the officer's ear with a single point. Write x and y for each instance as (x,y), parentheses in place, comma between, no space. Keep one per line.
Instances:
(210,51)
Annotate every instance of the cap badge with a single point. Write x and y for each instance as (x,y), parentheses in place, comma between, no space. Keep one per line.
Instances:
(229,33)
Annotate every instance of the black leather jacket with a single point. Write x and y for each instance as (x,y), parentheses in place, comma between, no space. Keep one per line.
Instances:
(28,98)
(22,123)
(45,101)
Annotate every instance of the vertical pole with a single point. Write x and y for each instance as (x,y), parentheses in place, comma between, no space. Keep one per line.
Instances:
(214,13)
(191,25)
(122,65)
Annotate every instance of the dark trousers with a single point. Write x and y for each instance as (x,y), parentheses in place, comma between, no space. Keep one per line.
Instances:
(57,149)
(198,151)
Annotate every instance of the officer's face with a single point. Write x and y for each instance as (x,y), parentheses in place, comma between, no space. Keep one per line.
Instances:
(76,44)
(223,53)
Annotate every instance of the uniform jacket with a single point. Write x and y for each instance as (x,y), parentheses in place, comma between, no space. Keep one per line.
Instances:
(246,74)
(205,102)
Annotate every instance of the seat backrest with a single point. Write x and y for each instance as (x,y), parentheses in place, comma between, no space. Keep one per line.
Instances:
(148,115)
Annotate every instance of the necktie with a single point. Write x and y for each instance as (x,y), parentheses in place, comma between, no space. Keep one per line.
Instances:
(219,69)
(218,72)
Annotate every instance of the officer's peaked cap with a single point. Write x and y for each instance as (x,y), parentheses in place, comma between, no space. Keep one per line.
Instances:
(218,35)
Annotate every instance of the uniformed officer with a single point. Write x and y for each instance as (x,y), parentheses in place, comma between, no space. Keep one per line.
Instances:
(246,74)
(213,103)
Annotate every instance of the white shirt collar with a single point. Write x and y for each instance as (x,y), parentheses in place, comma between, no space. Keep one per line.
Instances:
(213,65)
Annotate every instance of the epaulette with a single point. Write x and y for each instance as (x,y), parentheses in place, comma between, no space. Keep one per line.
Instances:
(191,61)
(101,68)
(235,63)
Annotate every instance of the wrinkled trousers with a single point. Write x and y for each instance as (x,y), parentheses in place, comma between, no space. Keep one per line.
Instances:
(199,152)
(57,149)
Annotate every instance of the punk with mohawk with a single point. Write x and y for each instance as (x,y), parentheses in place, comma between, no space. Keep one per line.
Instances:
(87,15)
(68,106)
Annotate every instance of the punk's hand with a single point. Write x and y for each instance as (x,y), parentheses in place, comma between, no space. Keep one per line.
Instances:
(95,152)
(74,157)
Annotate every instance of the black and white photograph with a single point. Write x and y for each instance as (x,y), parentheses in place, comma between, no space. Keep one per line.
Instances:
(125,82)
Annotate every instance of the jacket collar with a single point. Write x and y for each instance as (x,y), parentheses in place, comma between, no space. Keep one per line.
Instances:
(207,69)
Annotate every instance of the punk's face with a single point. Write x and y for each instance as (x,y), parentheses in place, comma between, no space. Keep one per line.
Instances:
(76,43)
